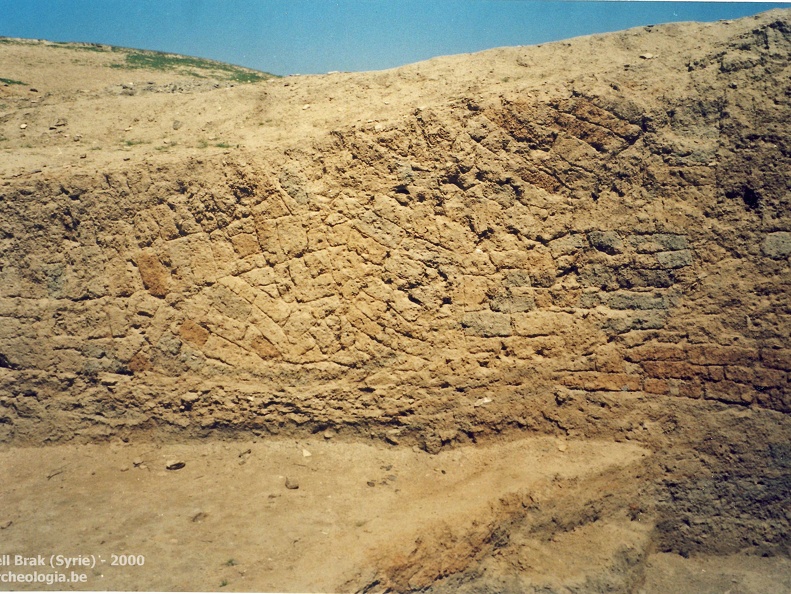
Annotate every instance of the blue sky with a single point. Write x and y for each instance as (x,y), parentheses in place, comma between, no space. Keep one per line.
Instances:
(314,36)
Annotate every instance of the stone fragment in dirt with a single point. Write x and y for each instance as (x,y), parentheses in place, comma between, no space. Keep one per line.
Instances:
(22,126)
(305,453)
(371,483)
(199,517)
(329,434)
(177,124)
(124,468)
(777,245)
(647,56)
(137,462)
(562,446)
(482,401)
(175,464)
(6,524)
(292,483)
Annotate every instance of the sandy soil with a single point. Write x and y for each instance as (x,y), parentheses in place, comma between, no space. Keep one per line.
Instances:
(227,519)
(323,515)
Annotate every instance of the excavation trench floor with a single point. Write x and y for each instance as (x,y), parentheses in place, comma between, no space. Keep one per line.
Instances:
(227,520)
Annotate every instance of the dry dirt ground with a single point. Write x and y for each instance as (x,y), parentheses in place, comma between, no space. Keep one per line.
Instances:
(514,321)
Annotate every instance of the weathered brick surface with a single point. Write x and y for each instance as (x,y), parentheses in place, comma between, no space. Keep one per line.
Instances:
(613,382)
(731,392)
(721,355)
(529,242)
(656,352)
(777,358)
(682,370)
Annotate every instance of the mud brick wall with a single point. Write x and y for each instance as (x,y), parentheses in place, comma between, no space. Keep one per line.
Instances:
(458,270)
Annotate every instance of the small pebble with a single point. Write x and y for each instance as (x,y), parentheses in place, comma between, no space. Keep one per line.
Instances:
(175,464)
(292,483)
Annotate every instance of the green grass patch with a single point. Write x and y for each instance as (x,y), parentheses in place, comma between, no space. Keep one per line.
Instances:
(199,67)
(11,81)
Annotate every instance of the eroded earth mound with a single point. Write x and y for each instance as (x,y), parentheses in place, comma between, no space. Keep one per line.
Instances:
(587,239)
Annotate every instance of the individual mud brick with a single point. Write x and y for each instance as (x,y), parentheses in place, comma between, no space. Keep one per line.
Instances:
(609,360)
(721,355)
(647,320)
(673,260)
(599,276)
(656,352)
(516,278)
(769,378)
(659,242)
(487,324)
(624,300)
(193,333)
(155,276)
(139,363)
(629,278)
(777,245)
(245,244)
(777,358)
(731,392)
(607,382)
(686,389)
(608,242)
(679,370)
(513,303)
(568,244)
(656,386)
(542,323)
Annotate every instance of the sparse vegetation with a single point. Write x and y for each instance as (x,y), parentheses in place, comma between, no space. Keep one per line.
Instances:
(85,47)
(11,81)
(199,67)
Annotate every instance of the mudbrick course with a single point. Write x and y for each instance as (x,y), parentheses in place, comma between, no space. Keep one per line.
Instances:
(452,253)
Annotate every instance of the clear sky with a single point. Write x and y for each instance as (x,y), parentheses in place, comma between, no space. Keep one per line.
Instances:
(315,36)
